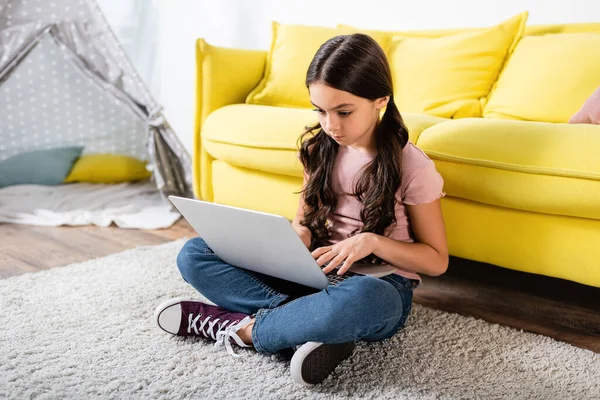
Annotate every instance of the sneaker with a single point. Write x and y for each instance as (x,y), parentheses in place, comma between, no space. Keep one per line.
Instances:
(188,317)
(313,361)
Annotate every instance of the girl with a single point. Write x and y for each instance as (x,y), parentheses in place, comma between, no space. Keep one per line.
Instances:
(369,194)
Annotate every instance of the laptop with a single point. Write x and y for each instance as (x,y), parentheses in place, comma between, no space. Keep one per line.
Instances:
(262,242)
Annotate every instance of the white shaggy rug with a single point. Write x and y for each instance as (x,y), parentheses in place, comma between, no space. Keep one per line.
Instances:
(87,331)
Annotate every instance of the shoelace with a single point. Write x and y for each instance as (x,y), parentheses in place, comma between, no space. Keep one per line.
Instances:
(223,332)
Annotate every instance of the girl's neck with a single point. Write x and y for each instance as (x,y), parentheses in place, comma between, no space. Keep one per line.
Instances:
(365,151)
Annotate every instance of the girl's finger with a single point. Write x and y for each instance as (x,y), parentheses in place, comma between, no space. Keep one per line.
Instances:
(334,263)
(326,257)
(347,264)
(320,250)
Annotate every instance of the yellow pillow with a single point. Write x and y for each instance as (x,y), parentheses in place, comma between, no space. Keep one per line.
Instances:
(107,168)
(548,78)
(580,27)
(450,76)
(292,49)
(420,33)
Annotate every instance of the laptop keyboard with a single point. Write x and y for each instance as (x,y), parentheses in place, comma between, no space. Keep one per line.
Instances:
(334,278)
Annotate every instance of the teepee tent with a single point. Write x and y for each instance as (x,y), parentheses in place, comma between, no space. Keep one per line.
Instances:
(66,81)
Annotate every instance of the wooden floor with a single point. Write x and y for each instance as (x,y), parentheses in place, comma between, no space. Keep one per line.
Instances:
(560,309)
(26,248)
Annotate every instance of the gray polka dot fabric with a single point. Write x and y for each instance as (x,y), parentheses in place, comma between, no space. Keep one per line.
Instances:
(47,101)
(65,80)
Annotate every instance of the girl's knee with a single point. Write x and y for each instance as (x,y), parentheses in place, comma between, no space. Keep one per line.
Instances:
(377,295)
(378,304)
(195,245)
(190,254)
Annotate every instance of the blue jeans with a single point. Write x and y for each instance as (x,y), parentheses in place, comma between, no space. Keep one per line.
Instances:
(289,314)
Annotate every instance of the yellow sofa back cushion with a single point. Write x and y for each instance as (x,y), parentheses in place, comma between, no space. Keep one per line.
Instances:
(450,76)
(548,78)
(292,49)
(529,30)
(586,27)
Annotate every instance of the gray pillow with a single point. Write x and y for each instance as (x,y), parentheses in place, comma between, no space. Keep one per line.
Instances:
(40,167)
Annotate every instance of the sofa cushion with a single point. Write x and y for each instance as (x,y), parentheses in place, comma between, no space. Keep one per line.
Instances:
(256,190)
(292,49)
(265,138)
(581,27)
(450,76)
(548,78)
(590,111)
(533,166)
(529,30)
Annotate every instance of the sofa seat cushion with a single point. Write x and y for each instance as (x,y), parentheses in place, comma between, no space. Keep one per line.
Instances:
(265,138)
(534,166)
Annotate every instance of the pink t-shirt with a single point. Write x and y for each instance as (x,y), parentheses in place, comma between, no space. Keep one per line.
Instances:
(421,183)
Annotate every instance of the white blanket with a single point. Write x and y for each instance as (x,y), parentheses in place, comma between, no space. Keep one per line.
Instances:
(128,205)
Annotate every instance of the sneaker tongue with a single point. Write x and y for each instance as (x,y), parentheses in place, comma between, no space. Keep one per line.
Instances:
(206,310)
(223,316)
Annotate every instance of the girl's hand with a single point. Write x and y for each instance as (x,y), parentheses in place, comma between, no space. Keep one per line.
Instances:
(304,234)
(347,251)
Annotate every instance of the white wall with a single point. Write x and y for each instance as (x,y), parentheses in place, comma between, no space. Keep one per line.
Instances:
(246,24)
(135,22)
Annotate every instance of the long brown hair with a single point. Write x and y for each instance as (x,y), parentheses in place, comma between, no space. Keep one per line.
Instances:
(355,64)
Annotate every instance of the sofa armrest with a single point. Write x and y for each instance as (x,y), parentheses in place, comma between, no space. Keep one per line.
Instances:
(223,76)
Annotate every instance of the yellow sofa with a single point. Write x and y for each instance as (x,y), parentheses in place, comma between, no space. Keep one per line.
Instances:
(523,186)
